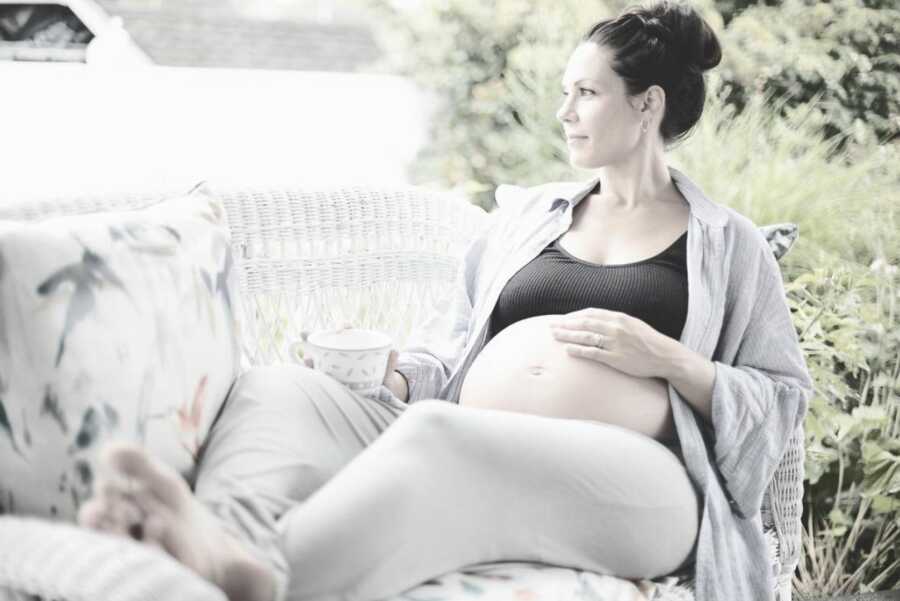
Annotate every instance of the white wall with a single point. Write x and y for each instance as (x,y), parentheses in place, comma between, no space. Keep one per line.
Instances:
(75,128)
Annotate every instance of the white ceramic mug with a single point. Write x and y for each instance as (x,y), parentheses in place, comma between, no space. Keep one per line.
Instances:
(355,357)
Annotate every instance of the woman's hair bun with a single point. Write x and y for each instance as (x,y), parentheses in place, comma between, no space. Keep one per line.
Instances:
(685,32)
(667,44)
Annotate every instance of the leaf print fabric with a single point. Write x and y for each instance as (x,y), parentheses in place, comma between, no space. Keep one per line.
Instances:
(190,419)
(526,581)
(51,408)
(86,275)
(99,311)
(7,428)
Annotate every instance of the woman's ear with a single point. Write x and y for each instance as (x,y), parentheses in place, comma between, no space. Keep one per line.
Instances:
(654,99)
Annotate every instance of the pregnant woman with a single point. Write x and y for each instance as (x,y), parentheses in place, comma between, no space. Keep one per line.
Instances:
(611,389)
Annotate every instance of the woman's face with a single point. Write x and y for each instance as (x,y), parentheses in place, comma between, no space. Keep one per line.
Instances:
(600,125)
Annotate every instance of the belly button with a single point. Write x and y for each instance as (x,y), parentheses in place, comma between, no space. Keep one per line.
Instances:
(536,370)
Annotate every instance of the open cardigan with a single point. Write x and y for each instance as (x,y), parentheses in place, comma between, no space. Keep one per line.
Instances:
(737,317)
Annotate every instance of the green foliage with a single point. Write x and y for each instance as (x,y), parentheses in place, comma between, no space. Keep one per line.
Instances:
(772,164)
(843,50)
(852,344)
(730,8)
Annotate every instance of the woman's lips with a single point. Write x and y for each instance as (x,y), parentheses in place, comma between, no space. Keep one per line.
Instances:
(573,139)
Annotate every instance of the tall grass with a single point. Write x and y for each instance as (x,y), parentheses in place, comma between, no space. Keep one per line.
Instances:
(776,169)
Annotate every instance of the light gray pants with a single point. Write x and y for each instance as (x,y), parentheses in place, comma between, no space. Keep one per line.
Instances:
(357,499)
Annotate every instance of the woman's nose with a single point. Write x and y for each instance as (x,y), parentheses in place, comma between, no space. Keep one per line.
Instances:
(565,112)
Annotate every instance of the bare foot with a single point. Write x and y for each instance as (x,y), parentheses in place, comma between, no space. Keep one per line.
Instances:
(140,497)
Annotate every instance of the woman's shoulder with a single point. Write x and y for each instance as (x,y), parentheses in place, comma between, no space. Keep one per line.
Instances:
(752,266)
(743,237)
(739,232)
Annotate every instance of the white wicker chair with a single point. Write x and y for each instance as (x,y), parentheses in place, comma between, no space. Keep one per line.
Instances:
(380,257)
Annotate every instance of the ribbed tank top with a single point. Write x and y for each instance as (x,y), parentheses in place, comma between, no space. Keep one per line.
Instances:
(554,282)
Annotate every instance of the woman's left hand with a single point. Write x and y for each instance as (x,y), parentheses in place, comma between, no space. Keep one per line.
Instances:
(629,344)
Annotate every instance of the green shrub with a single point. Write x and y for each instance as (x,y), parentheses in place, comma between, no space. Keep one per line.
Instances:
(852,503)
(845,51)
(776,168)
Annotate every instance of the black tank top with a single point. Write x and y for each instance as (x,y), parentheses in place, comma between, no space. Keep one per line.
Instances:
(653,290)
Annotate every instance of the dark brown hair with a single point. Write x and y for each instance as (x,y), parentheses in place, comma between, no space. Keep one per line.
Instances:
(666,44)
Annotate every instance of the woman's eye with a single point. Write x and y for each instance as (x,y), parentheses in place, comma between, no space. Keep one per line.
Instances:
(581,91)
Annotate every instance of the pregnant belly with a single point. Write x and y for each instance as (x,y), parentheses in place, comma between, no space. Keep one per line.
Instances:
(525,369)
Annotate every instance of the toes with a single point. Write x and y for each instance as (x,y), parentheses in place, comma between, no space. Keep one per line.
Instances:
(151,475)
(99,516)
(155,530)
(92,514)
(136,531)
(126,512)
(110,511)
(140,515)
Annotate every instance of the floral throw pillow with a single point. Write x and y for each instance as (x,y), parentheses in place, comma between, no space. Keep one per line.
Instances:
(118,325)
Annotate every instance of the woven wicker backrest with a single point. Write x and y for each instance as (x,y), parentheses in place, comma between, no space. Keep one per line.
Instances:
(379,257)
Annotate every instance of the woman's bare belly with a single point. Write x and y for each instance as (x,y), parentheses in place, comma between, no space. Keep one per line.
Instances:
(525,369)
